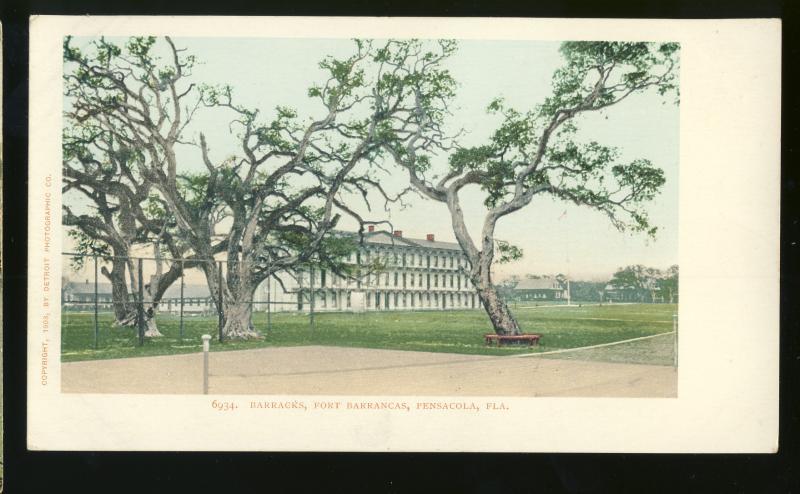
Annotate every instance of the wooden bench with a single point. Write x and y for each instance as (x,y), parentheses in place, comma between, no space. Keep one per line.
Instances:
(530,339)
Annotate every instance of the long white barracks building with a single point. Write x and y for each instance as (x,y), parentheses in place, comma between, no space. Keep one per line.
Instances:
(417,274)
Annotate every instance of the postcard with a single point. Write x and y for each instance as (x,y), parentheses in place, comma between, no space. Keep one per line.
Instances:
(403,234)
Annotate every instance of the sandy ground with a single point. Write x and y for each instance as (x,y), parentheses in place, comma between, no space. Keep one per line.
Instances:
(359,371)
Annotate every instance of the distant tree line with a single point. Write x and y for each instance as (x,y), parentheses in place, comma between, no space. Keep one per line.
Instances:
(634,283)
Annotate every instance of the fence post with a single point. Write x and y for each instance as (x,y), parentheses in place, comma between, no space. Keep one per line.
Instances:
(311,299)
(675,339)
(182,284)
(219,301)
(269,304)
(96,326)
(140,308)
(206,344)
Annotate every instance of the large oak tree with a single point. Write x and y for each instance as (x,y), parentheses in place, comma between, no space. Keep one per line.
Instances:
(535,152)
(269,207)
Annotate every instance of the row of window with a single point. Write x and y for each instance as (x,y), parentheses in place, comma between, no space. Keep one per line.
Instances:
(406,280)
(396,279)
(393,300)
(409,259)
(386,300)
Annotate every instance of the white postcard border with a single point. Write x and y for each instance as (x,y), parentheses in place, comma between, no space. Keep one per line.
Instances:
(729,257)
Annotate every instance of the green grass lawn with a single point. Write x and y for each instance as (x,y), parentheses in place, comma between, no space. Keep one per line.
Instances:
(448,331)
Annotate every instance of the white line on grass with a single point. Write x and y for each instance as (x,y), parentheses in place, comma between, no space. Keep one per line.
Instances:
(576,306)
(564,350)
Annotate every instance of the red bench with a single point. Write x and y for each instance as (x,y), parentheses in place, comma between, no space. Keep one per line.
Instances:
(530,339)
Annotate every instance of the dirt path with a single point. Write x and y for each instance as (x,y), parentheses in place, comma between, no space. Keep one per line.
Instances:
(360,371)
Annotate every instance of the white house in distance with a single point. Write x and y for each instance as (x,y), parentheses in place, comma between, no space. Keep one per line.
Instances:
(419,274)
(544,288)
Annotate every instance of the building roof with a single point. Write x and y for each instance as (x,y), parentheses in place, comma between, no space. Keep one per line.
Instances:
(539,284)
(386,238)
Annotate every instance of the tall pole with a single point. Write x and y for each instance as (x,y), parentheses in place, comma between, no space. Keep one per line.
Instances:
(96,325)
(311,301)
(219,301)
(206,344)
(569,294)
(140,308)
(182,284)
(269,304)
(675,339)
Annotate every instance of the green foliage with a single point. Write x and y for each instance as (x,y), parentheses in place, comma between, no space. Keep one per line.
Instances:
(539,149)
(86,246)
(193,187)
(586,291)
(507,252)
(627,67)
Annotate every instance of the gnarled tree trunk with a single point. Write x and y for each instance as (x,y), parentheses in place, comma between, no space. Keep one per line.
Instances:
(238,320)
(237,301)
(503,321)
(124,308)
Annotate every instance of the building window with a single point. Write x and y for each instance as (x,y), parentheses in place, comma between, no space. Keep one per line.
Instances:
(369,299)
(387,279)
(348,299)
(436,280)
(404,259)
(404,280)
(435,261)
(451,281)
(451,261)
(404,300)
(412,299)
(396,276)
(396,298)
(420,280)
(412,279)
(395,258)
(429,281)
(429,261)
(322,278)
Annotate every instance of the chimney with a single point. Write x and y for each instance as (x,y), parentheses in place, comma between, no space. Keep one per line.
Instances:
(398,233)
(371,228)
(430,237)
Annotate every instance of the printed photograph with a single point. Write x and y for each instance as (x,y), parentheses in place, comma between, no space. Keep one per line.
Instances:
(429,217)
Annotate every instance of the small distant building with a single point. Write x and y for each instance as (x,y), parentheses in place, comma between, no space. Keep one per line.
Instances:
(540,289)
(77,296)
(197,300)
(80,296)
(648,293)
